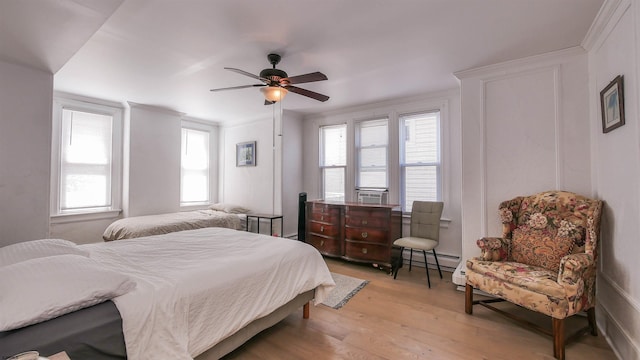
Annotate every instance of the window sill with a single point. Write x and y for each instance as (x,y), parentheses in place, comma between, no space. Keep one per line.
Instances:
(78,217)
(202,206)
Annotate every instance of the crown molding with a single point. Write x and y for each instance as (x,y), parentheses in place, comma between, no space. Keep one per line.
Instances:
(608,13)
(535,61)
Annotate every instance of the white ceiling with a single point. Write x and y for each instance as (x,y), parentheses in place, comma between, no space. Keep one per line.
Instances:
(170,53)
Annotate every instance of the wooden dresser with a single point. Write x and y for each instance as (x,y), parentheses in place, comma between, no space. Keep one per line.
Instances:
(353,231)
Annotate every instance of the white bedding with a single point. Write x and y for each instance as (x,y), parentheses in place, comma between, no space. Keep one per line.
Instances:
(197,287)
(139,226)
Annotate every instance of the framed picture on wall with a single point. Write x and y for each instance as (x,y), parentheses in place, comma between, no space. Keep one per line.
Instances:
(246,154)
(612,104)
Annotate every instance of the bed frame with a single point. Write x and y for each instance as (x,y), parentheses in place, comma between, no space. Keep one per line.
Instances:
(243,335)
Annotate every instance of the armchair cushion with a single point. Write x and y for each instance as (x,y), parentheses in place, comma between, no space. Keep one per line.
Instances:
(540,247)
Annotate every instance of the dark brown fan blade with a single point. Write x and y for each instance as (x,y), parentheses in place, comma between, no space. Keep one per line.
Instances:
(267,102)
(247,74)
(308,93)
(311,77)
(238,87)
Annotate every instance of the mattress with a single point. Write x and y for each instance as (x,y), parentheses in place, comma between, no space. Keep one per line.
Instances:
(90,333)
(139,226)
(196,288)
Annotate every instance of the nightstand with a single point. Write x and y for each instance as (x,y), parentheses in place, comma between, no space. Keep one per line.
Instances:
(270,217)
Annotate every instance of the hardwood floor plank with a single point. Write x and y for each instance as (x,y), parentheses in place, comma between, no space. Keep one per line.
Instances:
(404,319)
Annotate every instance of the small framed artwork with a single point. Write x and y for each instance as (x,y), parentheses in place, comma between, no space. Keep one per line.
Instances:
(246,154)
(612,104)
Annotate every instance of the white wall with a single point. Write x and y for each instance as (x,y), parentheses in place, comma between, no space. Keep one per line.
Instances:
(523,131)
(449,249)
(249,186)
(26,97)
(292,158)
(614,49)
(152,169)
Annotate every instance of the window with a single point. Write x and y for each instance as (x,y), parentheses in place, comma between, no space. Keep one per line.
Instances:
(86,157)
(333,161)
(420,158)
(372,138)
(194,174)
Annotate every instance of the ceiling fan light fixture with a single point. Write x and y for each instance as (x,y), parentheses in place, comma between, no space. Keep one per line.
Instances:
(274,93)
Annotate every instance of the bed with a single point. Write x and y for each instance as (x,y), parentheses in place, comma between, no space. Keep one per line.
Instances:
(190,294)
(231,217)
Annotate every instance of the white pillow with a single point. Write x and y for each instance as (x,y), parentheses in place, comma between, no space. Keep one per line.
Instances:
(229,208)
(22,251)
(40,289)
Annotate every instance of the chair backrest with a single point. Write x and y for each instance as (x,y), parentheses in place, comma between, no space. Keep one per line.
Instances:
(425,219)
(557,214)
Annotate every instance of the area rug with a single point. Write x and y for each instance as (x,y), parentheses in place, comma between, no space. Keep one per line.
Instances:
(346,288)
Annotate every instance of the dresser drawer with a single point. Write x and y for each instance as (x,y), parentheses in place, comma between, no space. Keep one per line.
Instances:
(327,246)
(367,221)
(367,212)
(323,228)
(316,208)
(331,217)
(367,235)
(367,252)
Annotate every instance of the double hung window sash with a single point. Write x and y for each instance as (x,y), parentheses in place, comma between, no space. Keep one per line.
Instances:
(333,161)
(85,161)
(194,184)
(372,143)
(420,158)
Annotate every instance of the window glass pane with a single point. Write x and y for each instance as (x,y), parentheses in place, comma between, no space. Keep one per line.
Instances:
(421,142)
(373,157)
(333,181)
(421,183)
(373,133)
(373,179)
(334,145)
(372,138)
(194,184)
(85,168)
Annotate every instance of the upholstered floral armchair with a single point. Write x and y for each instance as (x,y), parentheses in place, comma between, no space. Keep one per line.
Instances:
(545,260)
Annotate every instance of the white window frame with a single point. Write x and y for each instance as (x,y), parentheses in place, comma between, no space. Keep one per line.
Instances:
(359,148)
(198,126)
(96,106)
(404,165)
(321,162)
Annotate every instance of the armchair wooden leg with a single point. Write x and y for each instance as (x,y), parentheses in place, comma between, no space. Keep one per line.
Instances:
(468,299)
(558,338)
(305,311)
(591,316)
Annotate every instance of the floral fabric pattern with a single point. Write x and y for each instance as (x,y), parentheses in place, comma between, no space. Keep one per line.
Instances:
(546,258)
(539,247)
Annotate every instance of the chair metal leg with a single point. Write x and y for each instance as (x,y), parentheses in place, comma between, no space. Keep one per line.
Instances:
(436,257)
(426,267)
(395,272)
(410,258)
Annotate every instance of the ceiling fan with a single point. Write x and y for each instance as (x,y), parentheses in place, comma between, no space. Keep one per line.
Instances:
(276,83)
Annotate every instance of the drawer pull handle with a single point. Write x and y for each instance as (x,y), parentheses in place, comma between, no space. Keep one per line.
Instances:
(364,235)
(322,218)
(321,228)
(364,250)
(321,242)
(364,222)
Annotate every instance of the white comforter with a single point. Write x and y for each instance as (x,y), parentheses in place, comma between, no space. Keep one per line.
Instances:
(197,287)
(139,226)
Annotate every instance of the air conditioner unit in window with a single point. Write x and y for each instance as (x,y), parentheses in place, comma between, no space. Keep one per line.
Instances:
(372,196)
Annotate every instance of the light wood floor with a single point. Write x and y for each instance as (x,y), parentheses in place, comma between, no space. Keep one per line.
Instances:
(403,319)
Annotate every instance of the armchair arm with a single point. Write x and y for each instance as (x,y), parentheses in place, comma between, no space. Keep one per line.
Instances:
(575,267)
(577,275)
(493,248)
